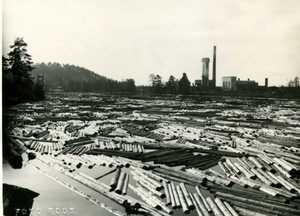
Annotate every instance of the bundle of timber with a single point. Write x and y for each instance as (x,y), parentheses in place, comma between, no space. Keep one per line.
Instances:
(78,141)
(126,147)
(180,157)
(131,155)
(179,175)
(176,195)
(273,176)
(262,206)
(145,181)
(41,146)
(78,148)
(45,147)
(100,145)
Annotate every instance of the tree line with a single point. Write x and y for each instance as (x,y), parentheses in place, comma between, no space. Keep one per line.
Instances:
(18,85)
(172,86)
(294,83)
(78,79)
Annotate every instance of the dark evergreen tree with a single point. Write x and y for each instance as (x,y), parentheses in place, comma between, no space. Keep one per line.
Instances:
(7,79)
(18,85)
(38,91)
(21,65)
(171,85)
(130,85)
(156,82)
(184,85)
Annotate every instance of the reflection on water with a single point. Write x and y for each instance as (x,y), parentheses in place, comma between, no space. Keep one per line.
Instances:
(54,198)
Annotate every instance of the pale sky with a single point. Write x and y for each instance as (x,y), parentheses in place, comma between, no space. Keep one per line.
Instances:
(132,38)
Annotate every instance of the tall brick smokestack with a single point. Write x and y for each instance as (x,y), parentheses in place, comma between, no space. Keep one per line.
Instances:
(214,72)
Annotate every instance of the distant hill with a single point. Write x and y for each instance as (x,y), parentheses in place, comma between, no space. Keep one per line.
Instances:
(75,78)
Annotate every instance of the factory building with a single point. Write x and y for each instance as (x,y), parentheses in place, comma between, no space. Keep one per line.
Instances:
(231,83)
(246,84)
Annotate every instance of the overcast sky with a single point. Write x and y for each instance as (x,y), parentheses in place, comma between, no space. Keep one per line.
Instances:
(133,38)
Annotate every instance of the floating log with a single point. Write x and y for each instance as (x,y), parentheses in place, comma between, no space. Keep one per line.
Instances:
(229,169)
(206,205)
(265,166)
(266,205)
(282,171)
(170,158)
(255,162)
(186,196)
(206,165)
(290,187)
(261,176)
(168,199)
(195,204)
(176,179)
(80,139)
(145,177)
(229,162)
(201,205)
(81,143)
(223,168)
(249,182)
(260,209)
(183,203)
(179,174)
(214,207)
(172,198)
(266,159)
(246,172)
(272,177)
(268,190)
(237,181)
(34,145)
(107,173)
(230,209)
(286,165)
(222,207)
(268,177)
(247,212)
(115,179)
(176,197)
(32,139)
(152,200)
(248,193)
(155,177)
(148,186)
(246,163)
(216,173)
(125,186)
(120,183)
(144,196)
(159,153)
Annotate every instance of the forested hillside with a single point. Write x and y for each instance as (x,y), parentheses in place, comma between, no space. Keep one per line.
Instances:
(75,78)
